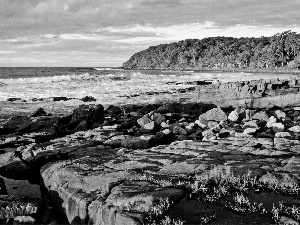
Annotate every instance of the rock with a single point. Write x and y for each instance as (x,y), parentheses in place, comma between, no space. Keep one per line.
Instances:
(284,220)
(24,220)
(17,124)
(278,127)
(56,99)
(39,112)
(14,206)
(88,99)
(170,108)
(114,110)
(271,121)
(149,127)
(90,113)
(3,190)
(261,116)
(201,122)
(146,109)
(82,126)
(249,130)
(216,114)
(250,124)
(233,116)
(157,118)
(136,143)
(279,114)
(295,129)
(163,138)
(178,130)
(297,108)
(164,125)
(282,134)
(144,120)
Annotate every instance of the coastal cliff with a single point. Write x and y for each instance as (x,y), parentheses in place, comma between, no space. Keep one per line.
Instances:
(279,51)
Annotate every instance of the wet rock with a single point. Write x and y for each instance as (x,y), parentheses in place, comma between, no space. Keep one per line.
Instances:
(146,109)
(56,99)
(82,126)
(88,99)
(90,113)
(39,112)
(216,114)
(170,108)
(114,110)
(162,138)
(17,124)
(15,99)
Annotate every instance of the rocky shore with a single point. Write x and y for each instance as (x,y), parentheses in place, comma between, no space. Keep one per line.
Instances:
(233,157)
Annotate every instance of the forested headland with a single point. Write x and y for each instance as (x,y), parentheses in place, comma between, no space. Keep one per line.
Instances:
(280,51)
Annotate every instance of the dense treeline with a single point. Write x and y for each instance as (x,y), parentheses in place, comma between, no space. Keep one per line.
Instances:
(279,51)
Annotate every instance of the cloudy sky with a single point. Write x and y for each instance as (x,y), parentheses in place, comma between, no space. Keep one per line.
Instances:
(107,32)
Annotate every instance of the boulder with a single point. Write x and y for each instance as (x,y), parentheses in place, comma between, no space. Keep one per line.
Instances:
(144,120)
(17,124)
(279,114)
(90,113)
(163,138)
(136,142)
(295,129)
(233,116)
(146,109)
(262,115)
(271,121)
(216,114)
(250,124)
(170,108)
(88,99)
(157,118)
(39,112)
(278,127)
(114,110)
(149,127)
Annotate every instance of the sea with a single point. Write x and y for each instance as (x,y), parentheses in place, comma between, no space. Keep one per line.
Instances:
(24,89)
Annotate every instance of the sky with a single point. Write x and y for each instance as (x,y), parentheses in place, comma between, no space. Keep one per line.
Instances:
(99,33)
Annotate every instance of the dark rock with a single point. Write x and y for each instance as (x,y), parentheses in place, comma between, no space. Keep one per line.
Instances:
(90,113)
(82,126)
(15,100)
(114,110)
(162,138)
(158,118)
(3,190)
(17,124)
(56,99)
(43,124)
(170,108)
(146,109)
(129,123)
(179,130)
(39,112)
(136,143)
(88,99)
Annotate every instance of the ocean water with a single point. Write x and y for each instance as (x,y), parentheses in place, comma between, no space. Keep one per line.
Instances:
(36,87)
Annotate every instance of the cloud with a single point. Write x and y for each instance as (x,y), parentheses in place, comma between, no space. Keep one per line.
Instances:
(111,30)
